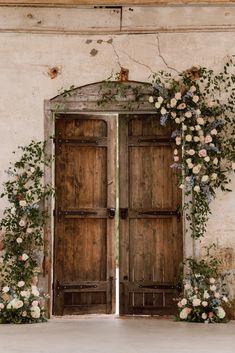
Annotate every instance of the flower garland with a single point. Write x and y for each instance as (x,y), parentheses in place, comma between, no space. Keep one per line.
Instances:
(201,104)
(22,229)
(204,293)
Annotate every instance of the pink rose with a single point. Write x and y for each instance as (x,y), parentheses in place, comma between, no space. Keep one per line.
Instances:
(208,139)
(202,153)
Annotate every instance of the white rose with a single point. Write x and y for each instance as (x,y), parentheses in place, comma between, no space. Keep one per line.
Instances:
(5,289)
(212,280)
(196,188)
(213,288)
(184,301)
(32,169)
(204,316)
(29,230)
(163,111)
(198,112)
(213,176)
(184,127)
(35,303)
(184,314)
(192,89)
(17,304)
(220,312)
(205,178)
(214,132)
(192,128)
(190,165)
(200,121)
(188,138)
(24,314)
(35,312)
(176,158)
(23,203)
(181,186)
(178,140)
(188,114)
(208,139)
(207,159)
(204,303)
(173,114)
(196,169)
(189,160)
(19,240)
(197,127)
(21,284)
(177,120)
(9,305)
(35,291)
(178,96)
(24,257)
(175,151)
(196,302)
(160,100)
(157,105)
(151,100)
(191,152)
(206,295)
(196,139)
(173,103)
(215,161)
(225,299)
(217,295)
(195,99)
(22,223)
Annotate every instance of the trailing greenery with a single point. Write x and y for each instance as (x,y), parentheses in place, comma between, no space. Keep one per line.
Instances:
(205,295)
(22,228)
(201,104)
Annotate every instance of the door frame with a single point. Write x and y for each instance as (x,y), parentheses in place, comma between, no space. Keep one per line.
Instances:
(85,100)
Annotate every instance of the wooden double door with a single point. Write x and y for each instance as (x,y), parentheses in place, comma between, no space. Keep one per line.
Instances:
(103,161)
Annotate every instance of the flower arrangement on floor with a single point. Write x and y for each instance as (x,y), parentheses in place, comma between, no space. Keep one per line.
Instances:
(204,293)
(201,104)
(22,229)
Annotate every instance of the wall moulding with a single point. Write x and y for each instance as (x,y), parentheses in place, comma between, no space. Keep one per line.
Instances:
(135,19)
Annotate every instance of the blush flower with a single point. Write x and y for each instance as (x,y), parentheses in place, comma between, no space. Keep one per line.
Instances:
(202,152)
(208,139)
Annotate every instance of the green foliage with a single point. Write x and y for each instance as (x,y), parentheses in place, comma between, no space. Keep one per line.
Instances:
(200,104)
(22,227)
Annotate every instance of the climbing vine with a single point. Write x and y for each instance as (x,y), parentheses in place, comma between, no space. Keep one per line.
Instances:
(22,229)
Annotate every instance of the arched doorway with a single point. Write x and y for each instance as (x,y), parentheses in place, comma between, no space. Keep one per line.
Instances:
(113,180)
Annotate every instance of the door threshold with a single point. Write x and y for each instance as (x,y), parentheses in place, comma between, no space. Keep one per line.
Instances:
(85,317)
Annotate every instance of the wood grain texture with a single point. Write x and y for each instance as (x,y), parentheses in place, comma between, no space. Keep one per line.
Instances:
(84,243)
(113,3)
(150,245)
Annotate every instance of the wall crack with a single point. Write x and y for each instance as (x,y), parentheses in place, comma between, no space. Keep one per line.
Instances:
(162,57)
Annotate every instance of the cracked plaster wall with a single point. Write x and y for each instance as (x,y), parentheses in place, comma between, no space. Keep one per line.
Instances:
(82,59)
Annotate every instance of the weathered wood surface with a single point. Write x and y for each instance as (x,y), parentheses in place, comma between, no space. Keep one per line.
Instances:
(84,244)
(150,245)
(177,16)
(113,2)
(58,19)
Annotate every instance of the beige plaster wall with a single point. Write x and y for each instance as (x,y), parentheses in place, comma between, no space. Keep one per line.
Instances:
(82,58)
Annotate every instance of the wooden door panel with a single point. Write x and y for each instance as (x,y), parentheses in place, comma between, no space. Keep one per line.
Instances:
(84,240)
(150,226)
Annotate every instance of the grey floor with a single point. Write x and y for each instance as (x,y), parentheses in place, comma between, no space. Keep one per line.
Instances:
(117,335)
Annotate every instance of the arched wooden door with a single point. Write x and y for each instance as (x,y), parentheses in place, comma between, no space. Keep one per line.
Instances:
(150,226)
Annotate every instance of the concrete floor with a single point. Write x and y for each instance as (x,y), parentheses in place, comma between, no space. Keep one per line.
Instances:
(117,335)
